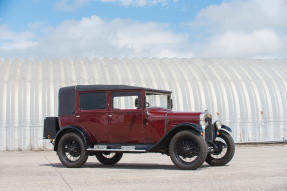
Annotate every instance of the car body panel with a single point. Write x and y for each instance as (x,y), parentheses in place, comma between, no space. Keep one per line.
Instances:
(126,126)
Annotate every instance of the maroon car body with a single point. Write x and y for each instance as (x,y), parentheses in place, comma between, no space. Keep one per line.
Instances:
(91,112)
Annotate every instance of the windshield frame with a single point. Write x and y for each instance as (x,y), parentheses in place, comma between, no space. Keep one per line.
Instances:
(154,92)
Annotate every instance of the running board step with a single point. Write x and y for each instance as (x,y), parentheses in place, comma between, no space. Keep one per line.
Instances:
(121,148)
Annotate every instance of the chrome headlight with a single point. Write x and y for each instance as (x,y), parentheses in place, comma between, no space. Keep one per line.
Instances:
(202,120)
(203,117)
(218,124)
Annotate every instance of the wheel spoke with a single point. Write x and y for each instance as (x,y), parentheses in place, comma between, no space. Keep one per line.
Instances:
(222,147)
(187,151)
(72,150)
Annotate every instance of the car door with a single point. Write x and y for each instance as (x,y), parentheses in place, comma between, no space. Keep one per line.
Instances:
(126,117)
(93,114)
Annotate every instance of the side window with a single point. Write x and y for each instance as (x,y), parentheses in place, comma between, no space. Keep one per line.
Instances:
(93,101)
(126,100)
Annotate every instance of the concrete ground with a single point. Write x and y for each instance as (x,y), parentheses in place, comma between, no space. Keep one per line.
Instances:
(254,167)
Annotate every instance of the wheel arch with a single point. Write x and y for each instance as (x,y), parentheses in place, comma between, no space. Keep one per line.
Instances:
(74,129)
(226,129)
(164,142)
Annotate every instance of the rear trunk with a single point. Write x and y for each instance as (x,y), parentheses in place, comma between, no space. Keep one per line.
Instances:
(51,127)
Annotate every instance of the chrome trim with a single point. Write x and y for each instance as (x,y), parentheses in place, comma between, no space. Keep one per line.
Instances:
(121,150)
(218,124)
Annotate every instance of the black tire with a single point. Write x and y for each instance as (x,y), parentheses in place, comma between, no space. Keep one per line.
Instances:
(71,146)
(227,155)
(186,144)
(103,157)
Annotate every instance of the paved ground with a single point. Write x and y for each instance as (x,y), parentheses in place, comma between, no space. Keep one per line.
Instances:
(256,167)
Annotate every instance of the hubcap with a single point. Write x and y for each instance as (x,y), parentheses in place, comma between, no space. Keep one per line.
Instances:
(108,155)
(186,150)
(221,150)
(72,150)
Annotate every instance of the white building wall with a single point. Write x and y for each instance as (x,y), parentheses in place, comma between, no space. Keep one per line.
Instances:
(249,95)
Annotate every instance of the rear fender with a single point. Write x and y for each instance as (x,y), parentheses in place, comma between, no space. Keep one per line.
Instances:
(74,129)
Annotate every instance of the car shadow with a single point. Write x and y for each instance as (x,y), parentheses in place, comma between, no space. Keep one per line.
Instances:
(136,166)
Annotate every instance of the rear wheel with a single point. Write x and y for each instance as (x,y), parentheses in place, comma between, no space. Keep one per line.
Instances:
(187,150)
(71,150)
(109,158)
(224,152)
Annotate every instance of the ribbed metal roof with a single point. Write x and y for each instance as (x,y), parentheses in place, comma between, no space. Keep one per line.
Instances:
(250,95)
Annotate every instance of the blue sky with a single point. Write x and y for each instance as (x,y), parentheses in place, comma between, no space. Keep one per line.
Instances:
(143,28)
(18,14)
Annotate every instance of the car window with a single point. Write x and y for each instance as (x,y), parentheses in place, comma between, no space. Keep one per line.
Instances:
(93,101)
(124,100)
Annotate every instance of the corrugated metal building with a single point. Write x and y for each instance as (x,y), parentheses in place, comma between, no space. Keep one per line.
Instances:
(250,95)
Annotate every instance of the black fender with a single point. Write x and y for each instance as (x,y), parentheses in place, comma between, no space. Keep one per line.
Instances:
(226,129)
(164,141)
(74,129)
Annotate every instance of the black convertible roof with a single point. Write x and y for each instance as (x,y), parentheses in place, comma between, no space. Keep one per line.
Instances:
(67,94)
(116,87)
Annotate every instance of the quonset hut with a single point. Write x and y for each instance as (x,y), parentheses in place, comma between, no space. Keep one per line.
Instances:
(248,95)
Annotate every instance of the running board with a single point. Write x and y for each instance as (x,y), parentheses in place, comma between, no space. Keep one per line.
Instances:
(121,148)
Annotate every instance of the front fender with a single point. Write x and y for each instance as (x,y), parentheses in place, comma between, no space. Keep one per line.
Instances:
(192,126)
(226,129)
(180,127)
(75,129)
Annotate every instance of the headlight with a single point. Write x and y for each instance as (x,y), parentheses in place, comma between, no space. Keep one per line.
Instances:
(203,117)
(218,124)
(202,120)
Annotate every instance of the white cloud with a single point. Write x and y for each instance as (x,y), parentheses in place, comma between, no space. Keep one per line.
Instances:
(94,37)
(140,3)
(10,40)
(70,5)
(243,15)
(254,28)
(258,44)
(6,34)
(241,29)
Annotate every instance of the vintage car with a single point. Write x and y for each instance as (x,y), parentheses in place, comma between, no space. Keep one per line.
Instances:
(109,120)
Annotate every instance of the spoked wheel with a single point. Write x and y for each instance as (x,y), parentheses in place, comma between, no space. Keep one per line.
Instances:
(224,151)
(109,158)
(71,151)
(187,150)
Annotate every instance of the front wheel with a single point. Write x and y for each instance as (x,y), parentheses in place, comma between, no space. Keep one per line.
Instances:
(224,151)
(187,150)
(109,158)
(71,150)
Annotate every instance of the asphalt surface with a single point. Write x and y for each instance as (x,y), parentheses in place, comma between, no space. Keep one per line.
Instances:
(254,167)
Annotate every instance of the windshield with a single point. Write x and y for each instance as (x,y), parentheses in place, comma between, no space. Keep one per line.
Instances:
(154,99)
